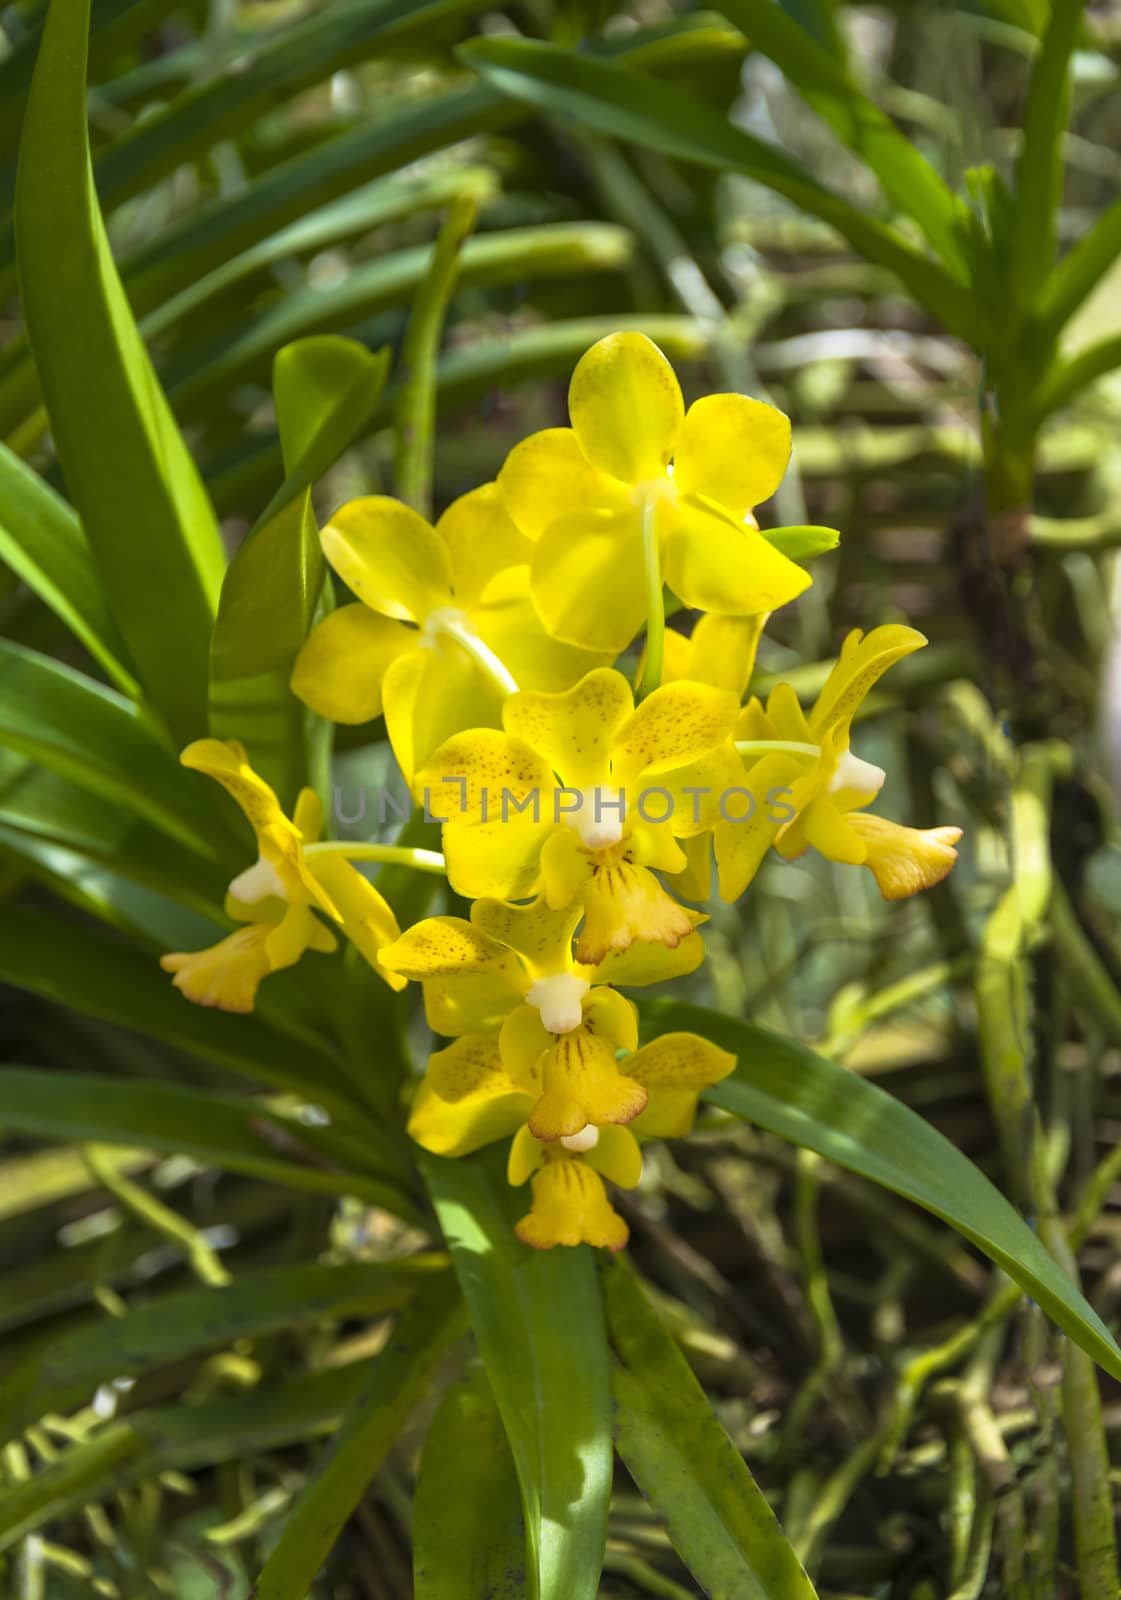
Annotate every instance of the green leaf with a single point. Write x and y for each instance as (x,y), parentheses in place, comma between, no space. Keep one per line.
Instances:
(50,811)
(1039,166)
(102,742)
(619,102)
(718,1518)
(41,540)
(1078,274)
(77,965)
(826,85)
(468,1535)
(538,1321)
(818,19)
(513,255)
(233,1133)
(1066,379)
(399,1379)
(219,229)
(63,1374)
(325,393)
(141,501)
(258,75)
(785,1087)
(416,399)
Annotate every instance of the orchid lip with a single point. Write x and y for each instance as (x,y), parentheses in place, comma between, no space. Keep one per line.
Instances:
(258,882)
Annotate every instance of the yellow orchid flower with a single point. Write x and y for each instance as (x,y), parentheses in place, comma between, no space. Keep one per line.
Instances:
(720,651)
(477,1091)
(811,790)
(511,972)
(639,488)
(583,794)
(570,1204)
(278,896)
(442,628)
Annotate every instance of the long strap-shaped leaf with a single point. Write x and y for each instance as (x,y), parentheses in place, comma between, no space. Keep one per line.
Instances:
(468,1537)
(538,1321)
(685,1464)
(64,1373)
(42,541)
(142,503)
(1039,168)
(235,1134)
(74,964)
(619,102)
(785,1087)
(907,179)
(101,742)
(398,1381)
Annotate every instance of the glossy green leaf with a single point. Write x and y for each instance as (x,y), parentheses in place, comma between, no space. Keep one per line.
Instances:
(77,965)
(50,811)
(371,206)
(41,540)
(325,392)
(538,1321)
(63,1374)
(399,1379)
(675,1449)
(513,255)
(259,73)
(617,101)
(905,176)
(233,1133)
(468,1534)
(220,228)
(100,741)
(785,1087)
(141,501)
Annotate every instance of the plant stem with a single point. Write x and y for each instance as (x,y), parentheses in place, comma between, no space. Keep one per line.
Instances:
(416,406)
(369,850)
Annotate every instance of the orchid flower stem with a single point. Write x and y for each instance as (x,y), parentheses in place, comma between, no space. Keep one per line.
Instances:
(416,405)
(363,850)
(770,747)
(655,601)
(481,654)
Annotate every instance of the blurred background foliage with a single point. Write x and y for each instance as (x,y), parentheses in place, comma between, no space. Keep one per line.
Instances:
(275,170)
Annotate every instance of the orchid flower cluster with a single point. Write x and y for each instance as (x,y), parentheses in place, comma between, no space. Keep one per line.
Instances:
(582,826)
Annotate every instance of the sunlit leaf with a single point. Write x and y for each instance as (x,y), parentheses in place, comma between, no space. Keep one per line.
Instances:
(548,1368)
(141,501)
(788,1089)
